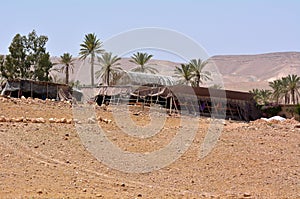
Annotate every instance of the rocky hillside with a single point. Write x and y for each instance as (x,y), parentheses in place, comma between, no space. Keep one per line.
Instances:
(239,72)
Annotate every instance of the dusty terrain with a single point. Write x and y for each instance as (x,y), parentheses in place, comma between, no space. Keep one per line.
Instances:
(39,159)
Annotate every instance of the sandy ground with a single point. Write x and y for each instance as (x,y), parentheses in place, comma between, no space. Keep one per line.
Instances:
(48,160)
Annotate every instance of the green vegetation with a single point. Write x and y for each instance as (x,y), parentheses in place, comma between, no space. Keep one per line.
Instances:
(109,68)
(27,58)
(184,73)
(193,73)
(271,110)
(67,66)
(284,90)
(91,47)
(262,96)
(142,60)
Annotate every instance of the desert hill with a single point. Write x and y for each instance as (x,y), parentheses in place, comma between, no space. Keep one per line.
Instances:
(239,72)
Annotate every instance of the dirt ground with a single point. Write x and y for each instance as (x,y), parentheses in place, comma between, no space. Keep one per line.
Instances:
(43,159)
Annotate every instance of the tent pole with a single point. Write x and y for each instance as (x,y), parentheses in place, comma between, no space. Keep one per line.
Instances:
(175,105)
(57,93)
(31,94)
(137,98)
(170,105)
(47,91)
(19,90)
(103,98)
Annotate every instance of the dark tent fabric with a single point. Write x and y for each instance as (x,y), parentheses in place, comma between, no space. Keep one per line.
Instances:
(39,89)
(240,105)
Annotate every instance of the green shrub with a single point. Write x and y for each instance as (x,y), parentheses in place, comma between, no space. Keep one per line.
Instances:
(270,110)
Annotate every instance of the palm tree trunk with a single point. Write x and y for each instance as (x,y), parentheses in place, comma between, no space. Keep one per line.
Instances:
(143,69)
(293,96)
(67,74)
(107,77)
(198,81)
(92,69)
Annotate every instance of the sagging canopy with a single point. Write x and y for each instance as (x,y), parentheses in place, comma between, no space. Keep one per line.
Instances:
(135,78)
(141,91)
(168,91)
(38,89)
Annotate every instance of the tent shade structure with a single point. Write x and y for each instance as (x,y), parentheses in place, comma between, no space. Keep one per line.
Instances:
(135,78)
(36,89)
(191,100)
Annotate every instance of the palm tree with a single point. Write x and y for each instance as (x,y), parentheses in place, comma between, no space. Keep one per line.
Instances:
(278,89)
(197,66)
(92,47)
(108,64)
(293,86)
(256,94)
(285,90)
(184,73)
(261,96)
(66,61)
(265,96)
(141,59)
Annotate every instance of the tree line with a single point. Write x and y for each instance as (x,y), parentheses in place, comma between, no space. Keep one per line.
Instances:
(284,90)
(29,59)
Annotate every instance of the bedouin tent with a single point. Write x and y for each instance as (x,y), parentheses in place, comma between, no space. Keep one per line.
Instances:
(194,100)
(36,89)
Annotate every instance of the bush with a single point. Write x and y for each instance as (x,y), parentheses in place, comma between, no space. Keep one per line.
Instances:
(297,109)
(271,110)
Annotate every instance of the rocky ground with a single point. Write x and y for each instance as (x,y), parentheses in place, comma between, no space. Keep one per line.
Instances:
(42,156)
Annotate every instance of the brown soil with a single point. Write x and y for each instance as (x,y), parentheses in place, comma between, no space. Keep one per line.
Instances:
(48,160)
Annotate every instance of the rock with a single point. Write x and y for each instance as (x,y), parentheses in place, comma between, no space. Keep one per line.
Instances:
(99,118)
(246,194)
(39,191)
(33,120)
(23,98)
(139,195)
(2,119)
(63,120)
(69,121)
(52,120)
(20,119)
(297,126)
(40,120)
(84,190)
(91,120)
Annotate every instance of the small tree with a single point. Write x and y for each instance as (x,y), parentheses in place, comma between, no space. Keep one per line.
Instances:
(184,73)
(91,47)
(142,60)
(67,65)
(199,74)
(27,58)
(108,64)
(262,96)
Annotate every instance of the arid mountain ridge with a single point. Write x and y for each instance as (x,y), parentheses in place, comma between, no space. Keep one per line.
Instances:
(239,72)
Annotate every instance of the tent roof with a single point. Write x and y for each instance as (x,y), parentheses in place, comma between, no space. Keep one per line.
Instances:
(135,78)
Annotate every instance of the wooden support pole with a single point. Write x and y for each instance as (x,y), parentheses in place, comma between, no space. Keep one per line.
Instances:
(175,105)
(170,105)
(31,90)
(47,91)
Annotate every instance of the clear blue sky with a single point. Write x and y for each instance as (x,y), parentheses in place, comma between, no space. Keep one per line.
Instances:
(221,27)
